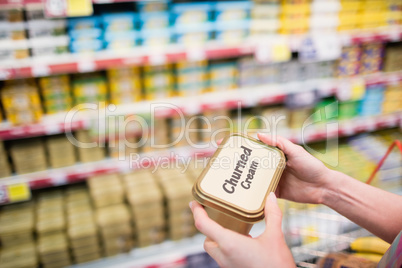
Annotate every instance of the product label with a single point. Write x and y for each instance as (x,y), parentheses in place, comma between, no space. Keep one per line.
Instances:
(242,173)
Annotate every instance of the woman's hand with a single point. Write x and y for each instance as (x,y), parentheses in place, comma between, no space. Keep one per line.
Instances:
(231,249)
(305,178)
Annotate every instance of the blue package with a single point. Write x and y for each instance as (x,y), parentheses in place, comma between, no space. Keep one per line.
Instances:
(232,10)
(124,21)
(154,20)
(155,37)
(85,34)
(191,13)
(153,6)
(115,36)
(86,46)
(83,23)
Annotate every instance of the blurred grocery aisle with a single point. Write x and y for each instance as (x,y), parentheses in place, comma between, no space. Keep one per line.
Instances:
(145,83)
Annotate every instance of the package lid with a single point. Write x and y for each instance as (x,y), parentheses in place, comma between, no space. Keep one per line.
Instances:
(113,17)
(115,36)
(178,8)
(240,188)
(93,21)
(92,33)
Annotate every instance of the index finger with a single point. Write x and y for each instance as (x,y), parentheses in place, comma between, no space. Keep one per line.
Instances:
(288,147)
(206,225)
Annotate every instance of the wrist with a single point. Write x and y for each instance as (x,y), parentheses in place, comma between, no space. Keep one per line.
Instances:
(330,190)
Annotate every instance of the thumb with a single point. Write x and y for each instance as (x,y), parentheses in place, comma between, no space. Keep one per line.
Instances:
(273,216)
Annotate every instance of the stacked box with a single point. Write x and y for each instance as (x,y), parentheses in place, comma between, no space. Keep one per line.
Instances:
(184,131)
(50,218)
(21,102)
(232,21)
(88,154)
(222,75)
(348,14)
(264,18)
(5,169)
(114,224)
(146,204)
(349,63)
(176,187)
(348,109)
(124,85)
(154,21)
(393,58)
(392,99)
(372,14)
(324,16)
(60,150)
(297,117)
(28,155)
(106,190)
(17,224)
(218,121)
(119,30)
(371,103)
(160,134)
(56,93)
(158,82)
(53,250)
(89,88)
(294,17)
(85,34)
(81,227)
(191,78)
(274,119)
(124,146)
(191,23)
(371,59)
(22,255)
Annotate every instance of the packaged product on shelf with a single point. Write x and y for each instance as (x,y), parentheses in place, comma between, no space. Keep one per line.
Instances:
(233,33)
(156,38)
(154,20)
(105,190)
(28,155)
(176,188)
(60,150)
(392,99)
(120,40)
(86,46)
(119,22)
(17,225)
(348,109)
(84,23)
(196,35)
(230,11)
(124,85)
(371,103)
(191,13)
(264,18)
(46,28)
(12,15)
(89,88)
(274,118)
(184,131)
(146,204)
(153,6)
(53,250)
(86,34)
(160,133)
(20,95)
(85,155)
(11,50)
(12,31)
(5,169)
(246,124)
(294,18)
(393,58)
(49,46)
(222,75)
(297,117)
(349,63)
(115,229)
(191,78)
(50,217)
(158,82)
(214,124)
(56,93)
(82,230)
(371,59)
(11,256)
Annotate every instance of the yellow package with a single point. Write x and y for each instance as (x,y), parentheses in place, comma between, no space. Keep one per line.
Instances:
(24,117)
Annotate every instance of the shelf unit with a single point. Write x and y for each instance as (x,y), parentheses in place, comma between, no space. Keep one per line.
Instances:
(75,63)
(243,97)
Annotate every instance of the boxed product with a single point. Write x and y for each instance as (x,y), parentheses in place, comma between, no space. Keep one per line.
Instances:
(156,38)
(61,151)
(190,35)
(85,155)
(46,28)
(154,20)
(89,88)
(22,255)
(84,23)
(120,40)
(191,13)
(124,85)
(232,33)
(5,169)
(13,50)
(229,11)
(49,46)
(153,6)
(191,78)
(55,92)
(28,155)
(158,81)
(53,250)
(12,31)
(105,190)
(119,22)
(222,75)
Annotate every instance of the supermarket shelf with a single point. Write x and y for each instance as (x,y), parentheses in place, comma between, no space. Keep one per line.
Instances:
(243,97)
(75,63)
(79,172)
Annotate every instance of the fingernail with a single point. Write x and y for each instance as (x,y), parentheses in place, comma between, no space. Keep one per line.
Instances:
(190,204)
(272,197)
